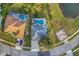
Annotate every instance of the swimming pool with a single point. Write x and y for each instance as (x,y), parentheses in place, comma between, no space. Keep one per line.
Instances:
(22,17)
(39,21)
(39,26)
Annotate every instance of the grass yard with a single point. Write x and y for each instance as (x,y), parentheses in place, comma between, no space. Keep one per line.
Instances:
(56,22)
(7,37)
(76,53)
(27,41)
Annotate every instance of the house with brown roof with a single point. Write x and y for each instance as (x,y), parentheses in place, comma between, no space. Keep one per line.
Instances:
(15,24)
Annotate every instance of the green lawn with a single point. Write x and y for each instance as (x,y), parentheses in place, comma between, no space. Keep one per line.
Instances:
(27,41)
(76,53)
(7,37)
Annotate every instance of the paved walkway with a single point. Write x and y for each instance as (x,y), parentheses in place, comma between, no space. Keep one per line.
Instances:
(34,43)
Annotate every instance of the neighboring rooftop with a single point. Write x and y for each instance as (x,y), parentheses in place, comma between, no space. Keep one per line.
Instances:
(15,24)
(61,35)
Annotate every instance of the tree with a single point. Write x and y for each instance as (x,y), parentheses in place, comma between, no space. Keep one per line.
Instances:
(5,10)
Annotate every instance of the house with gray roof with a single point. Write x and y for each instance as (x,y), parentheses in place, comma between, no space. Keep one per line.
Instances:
(39,30)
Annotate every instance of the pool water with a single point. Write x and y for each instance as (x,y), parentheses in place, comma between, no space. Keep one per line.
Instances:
(22,17)
(38,22)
